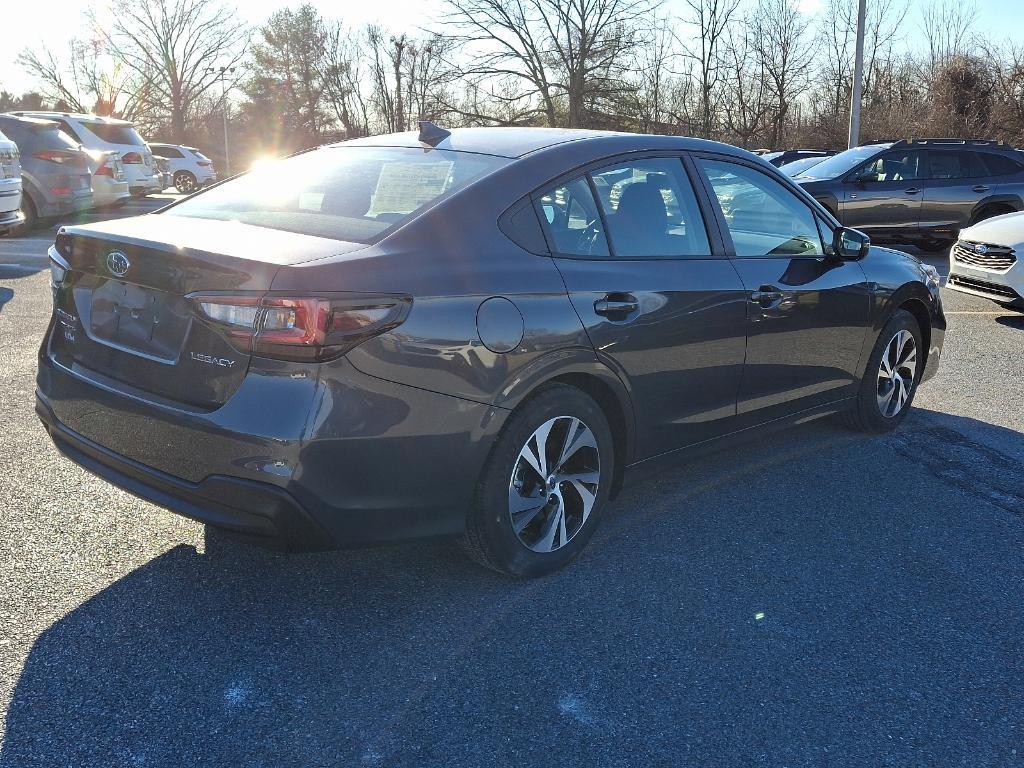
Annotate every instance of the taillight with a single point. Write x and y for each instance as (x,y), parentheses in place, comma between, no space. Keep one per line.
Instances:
(60,191)
(104,170)
(55,155)
(302,328)
(203,164)
(132,158)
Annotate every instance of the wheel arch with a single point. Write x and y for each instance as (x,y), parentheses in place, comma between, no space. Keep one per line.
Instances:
(595,380)
(916,307)
(1010,201)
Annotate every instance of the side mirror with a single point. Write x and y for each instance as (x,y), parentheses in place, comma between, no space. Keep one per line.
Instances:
(850,244)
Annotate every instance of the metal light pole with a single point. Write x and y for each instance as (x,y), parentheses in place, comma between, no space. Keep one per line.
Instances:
(221,72)
(858,73)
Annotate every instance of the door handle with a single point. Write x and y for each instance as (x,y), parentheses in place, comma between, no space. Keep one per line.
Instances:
(980,188)
(767,296)
(912,190)
(616,306)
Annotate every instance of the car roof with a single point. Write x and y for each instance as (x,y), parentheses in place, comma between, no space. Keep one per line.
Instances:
(517,142)
(31,121)
(74,116)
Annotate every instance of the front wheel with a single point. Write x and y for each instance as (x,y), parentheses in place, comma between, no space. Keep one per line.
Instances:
(891,377)
(542,491)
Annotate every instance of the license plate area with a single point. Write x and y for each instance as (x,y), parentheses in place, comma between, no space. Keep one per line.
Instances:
(137,319)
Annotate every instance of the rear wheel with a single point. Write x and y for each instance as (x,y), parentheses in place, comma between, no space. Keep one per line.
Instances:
(890,380)
(541,493)
(185,182)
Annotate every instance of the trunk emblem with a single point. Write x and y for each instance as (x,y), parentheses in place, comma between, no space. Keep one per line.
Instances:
(223,362)
(117,263)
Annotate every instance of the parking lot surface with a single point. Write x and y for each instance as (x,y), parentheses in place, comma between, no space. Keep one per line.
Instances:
(817,597)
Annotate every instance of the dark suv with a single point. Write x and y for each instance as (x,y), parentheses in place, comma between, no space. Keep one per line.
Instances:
(921,191)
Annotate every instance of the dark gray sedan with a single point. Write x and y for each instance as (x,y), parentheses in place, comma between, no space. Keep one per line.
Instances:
(481,333)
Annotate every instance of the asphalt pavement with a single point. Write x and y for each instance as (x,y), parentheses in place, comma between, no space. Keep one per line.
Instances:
(814,598)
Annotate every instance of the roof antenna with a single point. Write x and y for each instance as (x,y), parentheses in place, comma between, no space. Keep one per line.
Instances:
(432,134)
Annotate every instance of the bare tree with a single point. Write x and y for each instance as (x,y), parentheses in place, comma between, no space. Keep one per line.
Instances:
(780,34)
(948,27)
(170,44)
(712,19)
(747,94)
(567,56)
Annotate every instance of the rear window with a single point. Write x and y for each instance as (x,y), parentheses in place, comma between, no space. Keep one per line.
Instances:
(345,193)
(115,134)
(197,153)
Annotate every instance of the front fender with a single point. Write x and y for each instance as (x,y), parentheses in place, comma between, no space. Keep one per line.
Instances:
(897,279)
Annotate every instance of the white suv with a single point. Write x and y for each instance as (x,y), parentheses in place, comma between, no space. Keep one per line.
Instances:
(105,134)
(10,185)
(190,168)
(988,260)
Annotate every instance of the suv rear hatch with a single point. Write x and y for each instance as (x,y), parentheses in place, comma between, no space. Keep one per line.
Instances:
(127,313)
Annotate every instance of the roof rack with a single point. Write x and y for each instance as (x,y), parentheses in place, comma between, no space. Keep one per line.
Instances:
(992,143)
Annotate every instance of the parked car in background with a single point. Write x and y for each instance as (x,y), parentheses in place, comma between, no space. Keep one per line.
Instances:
(109,183)
(10,185)
(986,260)
(301,365)
(55,174)
(921,191)
(796,167)
(190,168)
(110,135)
(164,166)
(780,158)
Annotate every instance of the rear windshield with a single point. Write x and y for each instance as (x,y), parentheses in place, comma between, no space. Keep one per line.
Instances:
(345,193)
(197,153)
(33,136)
(115,134)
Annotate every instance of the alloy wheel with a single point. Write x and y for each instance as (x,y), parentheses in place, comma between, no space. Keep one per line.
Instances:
(554,484)
(184,183)
(896,373)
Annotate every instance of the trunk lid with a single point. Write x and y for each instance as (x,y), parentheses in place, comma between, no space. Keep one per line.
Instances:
(123,312)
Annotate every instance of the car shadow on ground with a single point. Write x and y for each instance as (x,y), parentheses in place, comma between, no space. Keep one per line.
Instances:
(1012,321)
(816,597)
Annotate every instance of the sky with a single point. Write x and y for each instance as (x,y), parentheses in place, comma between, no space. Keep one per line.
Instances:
(30,23)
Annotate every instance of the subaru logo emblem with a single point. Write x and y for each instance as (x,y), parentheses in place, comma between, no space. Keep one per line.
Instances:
(117,263)
(981,249)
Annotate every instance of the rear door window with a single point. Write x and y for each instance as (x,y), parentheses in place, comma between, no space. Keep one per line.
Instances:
(572,220)
(944,165)
(651,210)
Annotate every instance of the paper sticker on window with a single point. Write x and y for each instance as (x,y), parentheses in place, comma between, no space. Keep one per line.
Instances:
(404,187)
(311,201)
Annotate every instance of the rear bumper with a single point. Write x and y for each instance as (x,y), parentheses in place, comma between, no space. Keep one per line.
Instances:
(244,506)
(310,464)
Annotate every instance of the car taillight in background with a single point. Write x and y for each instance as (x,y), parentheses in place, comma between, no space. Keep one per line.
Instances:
(104,170)
(203,164)
(61,156)
(301,328)
(132,158)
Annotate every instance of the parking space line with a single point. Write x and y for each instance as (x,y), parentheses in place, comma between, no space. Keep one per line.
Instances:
(967,312)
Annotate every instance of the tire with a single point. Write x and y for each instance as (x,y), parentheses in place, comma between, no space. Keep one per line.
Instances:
(867,413)
(185,182)
(557,528)
(28,208)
